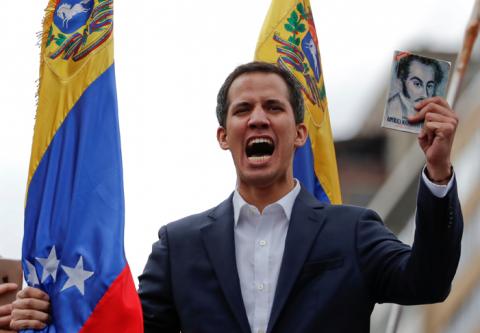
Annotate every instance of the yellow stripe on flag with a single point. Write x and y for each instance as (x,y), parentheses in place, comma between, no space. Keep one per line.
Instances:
(288,38)
(62,83)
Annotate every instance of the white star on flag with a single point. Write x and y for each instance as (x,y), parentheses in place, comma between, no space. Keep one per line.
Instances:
(50,265)
(32,276)
(76,276)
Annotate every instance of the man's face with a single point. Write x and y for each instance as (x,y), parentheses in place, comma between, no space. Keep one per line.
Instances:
(420,83)
(260,131)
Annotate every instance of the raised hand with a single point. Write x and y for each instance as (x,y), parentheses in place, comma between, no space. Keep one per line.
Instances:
(436,137)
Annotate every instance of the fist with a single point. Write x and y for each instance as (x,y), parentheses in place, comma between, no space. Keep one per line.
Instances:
(30,309)
(436,137)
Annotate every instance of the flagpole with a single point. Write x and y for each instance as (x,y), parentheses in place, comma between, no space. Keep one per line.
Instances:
(471,34)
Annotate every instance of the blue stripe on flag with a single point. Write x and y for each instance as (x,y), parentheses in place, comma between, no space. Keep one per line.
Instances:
(76,203)
(303,170)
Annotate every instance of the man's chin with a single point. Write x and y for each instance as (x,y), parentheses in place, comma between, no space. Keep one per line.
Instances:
(256,179)
(261,178)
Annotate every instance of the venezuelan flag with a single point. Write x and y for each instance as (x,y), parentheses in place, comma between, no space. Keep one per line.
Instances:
(74,213)
(288,38)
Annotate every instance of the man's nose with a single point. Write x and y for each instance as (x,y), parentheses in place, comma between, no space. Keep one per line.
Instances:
(258,118)
(424,93)
(421,95)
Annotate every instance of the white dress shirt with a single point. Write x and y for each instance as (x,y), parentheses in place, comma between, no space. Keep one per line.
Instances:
(259,247)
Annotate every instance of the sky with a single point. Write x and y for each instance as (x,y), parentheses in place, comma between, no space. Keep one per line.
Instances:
(171,58)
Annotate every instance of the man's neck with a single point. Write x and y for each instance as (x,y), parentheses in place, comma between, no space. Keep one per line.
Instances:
(262,196)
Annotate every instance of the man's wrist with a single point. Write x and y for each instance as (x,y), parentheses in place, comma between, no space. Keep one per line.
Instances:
(439,177)
(438,190)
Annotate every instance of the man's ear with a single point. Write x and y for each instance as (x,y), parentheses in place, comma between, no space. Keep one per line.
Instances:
(302,134)
(222,138)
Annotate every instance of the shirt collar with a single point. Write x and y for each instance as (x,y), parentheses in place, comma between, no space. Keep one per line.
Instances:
(286,202)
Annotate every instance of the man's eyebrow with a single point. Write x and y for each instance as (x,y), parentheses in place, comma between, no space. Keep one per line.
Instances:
(274,101)
(240,104)
(416,78)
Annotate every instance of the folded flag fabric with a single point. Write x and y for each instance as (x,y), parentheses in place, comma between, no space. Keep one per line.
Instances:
(73,245)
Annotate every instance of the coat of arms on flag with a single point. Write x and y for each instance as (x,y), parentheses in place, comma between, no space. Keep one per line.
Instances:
(289,39)
(77,29)
(296,46)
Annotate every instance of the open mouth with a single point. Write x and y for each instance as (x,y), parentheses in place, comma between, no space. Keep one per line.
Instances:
(258,149)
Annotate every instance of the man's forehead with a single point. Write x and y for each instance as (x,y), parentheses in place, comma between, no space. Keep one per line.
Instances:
(258,83)
(417,68)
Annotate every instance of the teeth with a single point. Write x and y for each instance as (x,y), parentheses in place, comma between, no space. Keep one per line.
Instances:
(258,158)
(260,140)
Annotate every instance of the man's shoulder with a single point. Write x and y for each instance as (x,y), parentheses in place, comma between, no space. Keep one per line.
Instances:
(348,209)
(197,221)
(336,213)
(349,213)
(190,223)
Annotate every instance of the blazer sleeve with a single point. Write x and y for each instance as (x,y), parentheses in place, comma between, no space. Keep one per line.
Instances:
(397,273)
(155,290)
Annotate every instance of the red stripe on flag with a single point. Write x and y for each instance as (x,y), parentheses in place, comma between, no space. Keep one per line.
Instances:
(120,301)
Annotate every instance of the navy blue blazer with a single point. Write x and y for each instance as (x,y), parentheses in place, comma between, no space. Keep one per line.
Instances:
(338,262)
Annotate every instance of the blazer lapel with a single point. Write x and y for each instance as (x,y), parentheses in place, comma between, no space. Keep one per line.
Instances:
(219,241)
(305,223)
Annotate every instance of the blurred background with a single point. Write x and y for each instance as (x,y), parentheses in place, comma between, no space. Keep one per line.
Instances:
(171,58)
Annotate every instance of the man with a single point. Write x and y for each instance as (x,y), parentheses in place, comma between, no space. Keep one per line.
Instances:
(271,258)
(419,78)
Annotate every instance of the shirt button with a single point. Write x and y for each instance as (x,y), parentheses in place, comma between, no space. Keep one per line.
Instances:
(260,286)
(262,242)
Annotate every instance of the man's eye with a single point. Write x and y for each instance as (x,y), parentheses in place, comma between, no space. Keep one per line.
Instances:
(240,111)
(417,83)
(275,108)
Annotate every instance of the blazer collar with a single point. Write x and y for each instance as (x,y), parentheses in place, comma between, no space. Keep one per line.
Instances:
(218,238)
(305,223)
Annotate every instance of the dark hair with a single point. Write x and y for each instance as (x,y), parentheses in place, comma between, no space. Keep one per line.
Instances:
(403,67)
(295,94)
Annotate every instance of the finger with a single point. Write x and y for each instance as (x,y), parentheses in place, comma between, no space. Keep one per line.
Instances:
(436,100)
(422,134)
(25,324)
(31,304)
(423,137)
(432,108)
(440,130)
(19,315)
(6,287)
(440,118)
(31,292)
(5,309)
(5,322)
(428,132)
(429,136)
